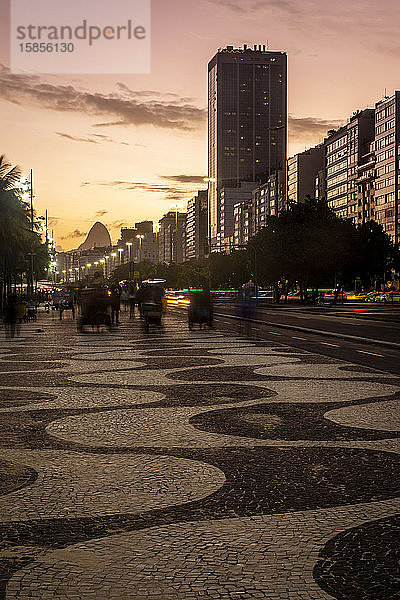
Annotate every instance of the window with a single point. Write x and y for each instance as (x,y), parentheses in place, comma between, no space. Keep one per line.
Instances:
(385,155)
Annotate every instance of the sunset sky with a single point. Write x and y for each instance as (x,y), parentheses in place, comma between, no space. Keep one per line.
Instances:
(123,148)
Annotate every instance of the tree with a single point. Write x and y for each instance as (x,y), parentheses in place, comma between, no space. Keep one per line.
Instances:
(307,244)
(377,254)
(17,240)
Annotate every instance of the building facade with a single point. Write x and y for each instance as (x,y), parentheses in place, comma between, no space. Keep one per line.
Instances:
(302,169)
(387,169)
(247,122)
(268,200)
(197,226)
(171,238)
(229,197)
(344,152)
(243,220)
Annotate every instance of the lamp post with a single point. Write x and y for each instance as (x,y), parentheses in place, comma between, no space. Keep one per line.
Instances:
(140,238)
(129,245)
(209,180)
(120,251)
(102,263)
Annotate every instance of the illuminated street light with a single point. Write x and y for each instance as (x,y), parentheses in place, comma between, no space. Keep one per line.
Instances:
(129,245)
(140,237)
(120,250)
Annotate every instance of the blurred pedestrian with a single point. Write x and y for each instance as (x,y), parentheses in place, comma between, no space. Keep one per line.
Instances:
(21,309)
(10,316)
(132,295)
(116,292)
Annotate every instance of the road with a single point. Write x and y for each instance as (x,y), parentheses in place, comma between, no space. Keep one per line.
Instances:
(362,339)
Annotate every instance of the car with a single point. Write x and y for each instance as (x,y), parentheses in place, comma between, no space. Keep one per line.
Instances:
(372,296)
(356,296)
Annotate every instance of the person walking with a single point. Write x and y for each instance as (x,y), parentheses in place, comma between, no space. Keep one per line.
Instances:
(132,300)
(11,315)
(116,292)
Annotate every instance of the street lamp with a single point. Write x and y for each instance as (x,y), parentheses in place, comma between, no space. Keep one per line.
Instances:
(140,238)
(120,250)
(107,258)
(129,244)
(113,256)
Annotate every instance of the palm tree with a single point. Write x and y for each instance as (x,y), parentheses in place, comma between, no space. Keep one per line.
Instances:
(14,225)
(9,176)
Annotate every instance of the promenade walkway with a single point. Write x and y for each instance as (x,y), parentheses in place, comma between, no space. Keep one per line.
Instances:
(181,465)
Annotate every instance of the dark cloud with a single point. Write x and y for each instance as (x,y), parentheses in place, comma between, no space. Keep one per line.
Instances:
(306,129)
(146,187)
(171,192)
(75,138)
(162,112)
(117,224)
(74,234)
(151,94)
(95,138)
(197,179)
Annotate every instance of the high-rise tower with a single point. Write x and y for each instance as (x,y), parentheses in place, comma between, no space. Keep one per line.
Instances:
(247,120)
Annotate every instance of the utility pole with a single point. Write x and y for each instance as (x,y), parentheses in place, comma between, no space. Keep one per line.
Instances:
(32,229)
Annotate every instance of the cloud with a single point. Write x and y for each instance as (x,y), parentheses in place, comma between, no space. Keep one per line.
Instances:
(137,185)
(53,221)
(74,234)
(101,213)
(306,129)
(253,9)
(75,138)
(198,179)
(168,112)
(117,224)
(174,192)
(95,138)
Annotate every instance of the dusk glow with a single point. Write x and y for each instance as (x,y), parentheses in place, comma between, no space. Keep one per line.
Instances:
(130,147)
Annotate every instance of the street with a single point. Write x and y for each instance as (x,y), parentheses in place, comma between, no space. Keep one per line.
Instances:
(368,335)
(180,465)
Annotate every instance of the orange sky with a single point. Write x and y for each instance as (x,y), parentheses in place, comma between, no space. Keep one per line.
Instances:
(342,56)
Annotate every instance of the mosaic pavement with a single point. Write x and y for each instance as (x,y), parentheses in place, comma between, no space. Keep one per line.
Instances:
(185,465)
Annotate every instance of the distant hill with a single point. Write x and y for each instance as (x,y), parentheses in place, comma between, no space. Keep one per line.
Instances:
(98,237)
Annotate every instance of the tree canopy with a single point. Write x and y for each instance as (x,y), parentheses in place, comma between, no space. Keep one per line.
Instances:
(17,239)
